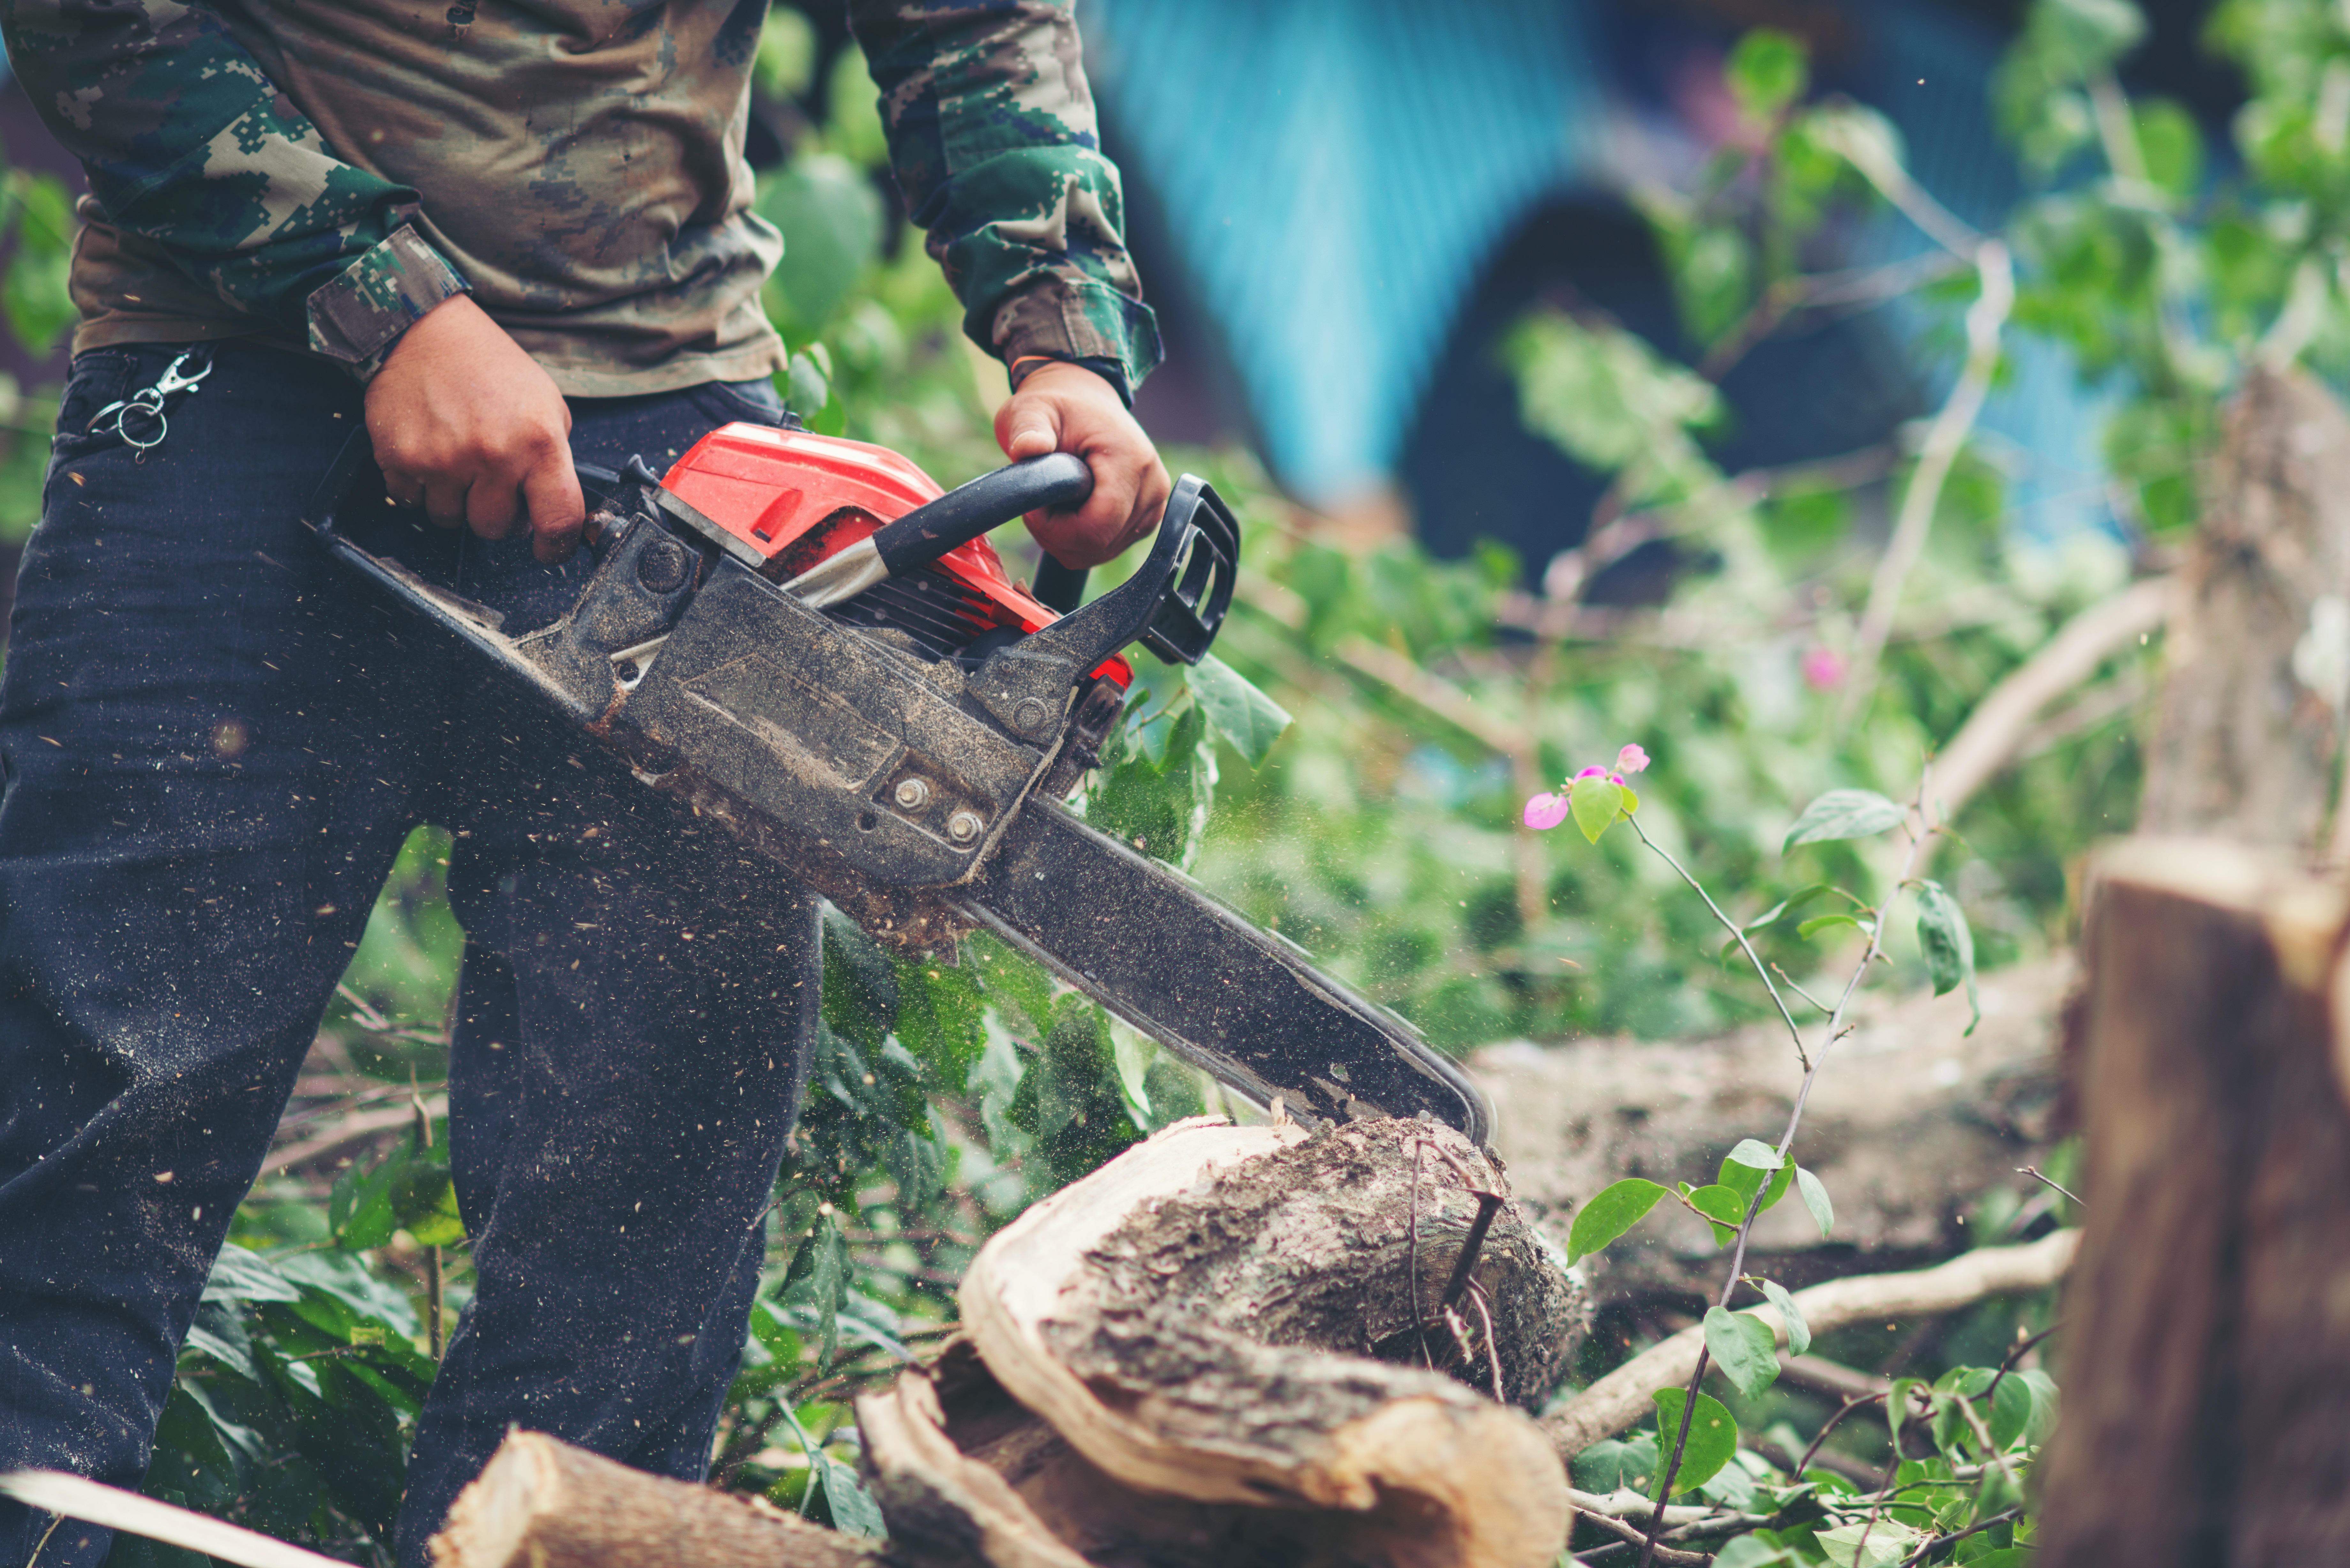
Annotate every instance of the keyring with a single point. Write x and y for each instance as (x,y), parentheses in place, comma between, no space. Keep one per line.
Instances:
(149,400)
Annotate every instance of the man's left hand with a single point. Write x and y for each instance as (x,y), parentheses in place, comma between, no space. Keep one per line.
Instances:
(1067,408)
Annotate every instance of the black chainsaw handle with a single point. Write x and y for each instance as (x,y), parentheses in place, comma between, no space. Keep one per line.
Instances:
(1053,483)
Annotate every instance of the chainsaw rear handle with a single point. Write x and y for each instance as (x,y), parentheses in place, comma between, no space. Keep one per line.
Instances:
(1054,482)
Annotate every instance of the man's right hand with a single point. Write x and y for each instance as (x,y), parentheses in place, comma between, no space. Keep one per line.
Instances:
(466,425)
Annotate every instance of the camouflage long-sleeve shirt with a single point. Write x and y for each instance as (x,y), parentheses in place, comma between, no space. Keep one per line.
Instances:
(320,172)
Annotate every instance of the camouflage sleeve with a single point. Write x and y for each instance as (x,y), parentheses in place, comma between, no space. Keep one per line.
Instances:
(992,132)
(187,142)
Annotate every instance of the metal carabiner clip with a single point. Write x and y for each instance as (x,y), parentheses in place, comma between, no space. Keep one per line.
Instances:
(149,402)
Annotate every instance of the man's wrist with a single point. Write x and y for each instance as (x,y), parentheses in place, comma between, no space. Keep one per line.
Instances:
(358,316)
(1108,369)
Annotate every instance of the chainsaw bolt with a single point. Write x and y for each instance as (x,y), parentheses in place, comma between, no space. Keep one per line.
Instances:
(912,794)
(661,565)
(963,826)
(1029,716)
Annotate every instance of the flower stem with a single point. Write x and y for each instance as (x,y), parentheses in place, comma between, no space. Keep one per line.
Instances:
(1731,927)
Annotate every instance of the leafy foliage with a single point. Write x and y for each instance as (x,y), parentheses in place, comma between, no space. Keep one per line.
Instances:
(1383,833)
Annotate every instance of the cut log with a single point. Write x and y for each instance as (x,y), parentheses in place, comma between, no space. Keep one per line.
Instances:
(1911,1122)
(1213,1329)
(2207,1337)
(541,1503)
(2249,728)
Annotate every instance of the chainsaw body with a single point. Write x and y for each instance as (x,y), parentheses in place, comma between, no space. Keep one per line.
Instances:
(891,750)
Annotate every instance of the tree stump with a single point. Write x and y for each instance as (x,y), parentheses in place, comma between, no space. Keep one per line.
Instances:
(1210,1352)
(2207,1328)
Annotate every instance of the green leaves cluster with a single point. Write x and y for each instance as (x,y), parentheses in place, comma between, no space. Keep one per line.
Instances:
(299,1385)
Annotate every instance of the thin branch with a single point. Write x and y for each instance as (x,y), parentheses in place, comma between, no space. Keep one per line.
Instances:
(1997,729)
(1851,1405)
(2034,1172)
(1947,435)
(1735,930)
(1918,1556)
(1918,841)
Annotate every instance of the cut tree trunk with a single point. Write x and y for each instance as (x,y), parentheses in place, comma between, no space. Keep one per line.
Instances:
(1211,1351)
(541,1503)
(2257,653)
(2206,1362)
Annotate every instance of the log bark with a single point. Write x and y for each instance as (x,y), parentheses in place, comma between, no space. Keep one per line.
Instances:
(2207,1346)
(2251,717)
(1212,1347)
(1911,1122)
(541,1503)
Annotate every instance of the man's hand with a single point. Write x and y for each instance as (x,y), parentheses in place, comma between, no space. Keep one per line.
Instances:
(466,425)
(1067,408)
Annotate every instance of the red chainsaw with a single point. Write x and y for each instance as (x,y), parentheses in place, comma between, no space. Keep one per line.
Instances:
(807,640)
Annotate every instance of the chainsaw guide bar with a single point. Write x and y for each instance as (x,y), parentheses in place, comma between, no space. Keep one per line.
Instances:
(904,749)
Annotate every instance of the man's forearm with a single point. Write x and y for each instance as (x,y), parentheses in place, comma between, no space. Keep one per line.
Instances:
(992,136)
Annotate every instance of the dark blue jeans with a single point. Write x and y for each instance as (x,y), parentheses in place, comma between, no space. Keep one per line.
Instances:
(213,746)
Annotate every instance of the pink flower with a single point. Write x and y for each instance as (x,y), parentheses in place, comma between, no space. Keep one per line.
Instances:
(1823,668)
(1546,811)
(1591,774)
(1631,760)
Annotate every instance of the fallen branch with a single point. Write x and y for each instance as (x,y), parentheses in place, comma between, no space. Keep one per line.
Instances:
(1624,1395)
(75,1497)
(351,1129)
(541,1503)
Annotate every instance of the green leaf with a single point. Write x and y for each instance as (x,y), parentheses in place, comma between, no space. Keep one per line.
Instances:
(1745,1348)
(2012,1405)
(1766,72)
(1712,1438)
(1595,803)
(942,1017)
(1746,1181)
(1610,1213)
(1880,1543)
(1724,1206)
(1843,814)
(239,1275)
(854,1511)
(833,220)
(1754,1551)
(1815,1198)
(1799,1333)
(1236,710)
(1818,923)
(1610,1465)
(2044,1406)
(1794,900)
(828,1284)
(1754,1151)
(2090,33)
(1949,945)
(1997,1557)
(806,386)
(1896,1407)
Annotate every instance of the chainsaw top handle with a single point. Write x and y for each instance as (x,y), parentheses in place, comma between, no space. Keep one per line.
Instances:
(1055,482)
